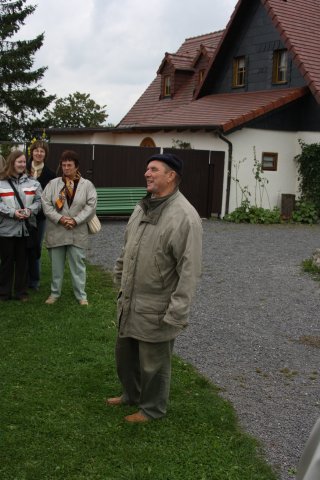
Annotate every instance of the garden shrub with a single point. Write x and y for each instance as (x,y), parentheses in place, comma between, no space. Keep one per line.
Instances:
(248,213)
(309,173)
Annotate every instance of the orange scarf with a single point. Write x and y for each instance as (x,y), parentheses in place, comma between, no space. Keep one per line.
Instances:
(67,192)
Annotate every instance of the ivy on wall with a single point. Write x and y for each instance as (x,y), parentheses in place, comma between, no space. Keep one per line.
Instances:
(309,173)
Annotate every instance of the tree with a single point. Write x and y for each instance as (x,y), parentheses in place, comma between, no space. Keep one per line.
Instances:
(76,110)
(21,96)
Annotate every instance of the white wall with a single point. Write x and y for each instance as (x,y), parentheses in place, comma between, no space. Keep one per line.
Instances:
(84,138)
(283,180)
(198,140)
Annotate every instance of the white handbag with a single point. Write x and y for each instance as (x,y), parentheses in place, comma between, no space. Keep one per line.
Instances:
(94,225)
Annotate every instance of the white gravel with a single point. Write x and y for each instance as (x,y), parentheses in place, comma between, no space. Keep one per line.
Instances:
(253,306)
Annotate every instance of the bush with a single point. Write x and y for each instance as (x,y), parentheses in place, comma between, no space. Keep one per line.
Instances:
(309,172)
(247,213)
(305,212)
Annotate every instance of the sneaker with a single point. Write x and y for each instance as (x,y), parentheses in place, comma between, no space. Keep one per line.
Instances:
(83,302)
(50,300)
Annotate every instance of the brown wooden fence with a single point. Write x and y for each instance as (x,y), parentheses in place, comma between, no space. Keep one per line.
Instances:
(124,166)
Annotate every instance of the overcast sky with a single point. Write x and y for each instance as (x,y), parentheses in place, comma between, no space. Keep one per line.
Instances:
(112,49)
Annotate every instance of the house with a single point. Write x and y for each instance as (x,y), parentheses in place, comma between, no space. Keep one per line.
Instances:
(251,91)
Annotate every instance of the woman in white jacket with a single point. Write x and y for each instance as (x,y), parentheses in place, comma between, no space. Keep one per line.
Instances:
(68,202)
(13,229)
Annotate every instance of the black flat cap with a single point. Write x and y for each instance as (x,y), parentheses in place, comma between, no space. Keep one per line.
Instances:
(172,160)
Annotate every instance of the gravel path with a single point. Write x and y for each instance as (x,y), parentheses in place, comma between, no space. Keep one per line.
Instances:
(251,320)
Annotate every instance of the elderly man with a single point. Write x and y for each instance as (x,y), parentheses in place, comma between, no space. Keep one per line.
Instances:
(157,273)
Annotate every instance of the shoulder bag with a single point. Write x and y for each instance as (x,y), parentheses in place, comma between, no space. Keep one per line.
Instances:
(94,225)
(33,238)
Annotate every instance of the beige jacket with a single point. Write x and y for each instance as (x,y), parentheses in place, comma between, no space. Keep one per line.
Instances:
(309,466)
(82,209)
(158,270)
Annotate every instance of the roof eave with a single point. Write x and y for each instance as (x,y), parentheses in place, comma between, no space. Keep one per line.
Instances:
(165,128)
(76,131)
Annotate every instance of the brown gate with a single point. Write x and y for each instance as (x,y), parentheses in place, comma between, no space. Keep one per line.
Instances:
(202,179)
(124,166)
(120,166)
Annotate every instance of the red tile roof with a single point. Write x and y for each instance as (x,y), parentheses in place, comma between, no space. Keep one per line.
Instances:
(179,62)
(148,104)
(228,111)
(204,50)
(191,45)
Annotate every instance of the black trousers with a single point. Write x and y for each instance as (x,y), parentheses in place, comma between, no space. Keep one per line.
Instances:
(13,267)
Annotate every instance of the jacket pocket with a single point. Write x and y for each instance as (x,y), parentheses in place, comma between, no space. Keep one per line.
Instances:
(150,305)
(149,314)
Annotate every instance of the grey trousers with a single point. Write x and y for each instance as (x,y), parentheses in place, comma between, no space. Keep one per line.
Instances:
(144,370)
(76,259)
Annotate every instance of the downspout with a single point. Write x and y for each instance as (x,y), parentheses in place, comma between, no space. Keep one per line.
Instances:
(230,148)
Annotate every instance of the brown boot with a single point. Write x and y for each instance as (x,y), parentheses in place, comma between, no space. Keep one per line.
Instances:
(137,417)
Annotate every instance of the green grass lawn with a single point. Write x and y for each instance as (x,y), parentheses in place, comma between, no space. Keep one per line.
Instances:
(57,367)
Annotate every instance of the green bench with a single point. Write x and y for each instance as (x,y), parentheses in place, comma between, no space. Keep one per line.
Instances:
(118,200)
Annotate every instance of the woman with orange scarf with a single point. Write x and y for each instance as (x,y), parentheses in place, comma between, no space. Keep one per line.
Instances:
(68,202)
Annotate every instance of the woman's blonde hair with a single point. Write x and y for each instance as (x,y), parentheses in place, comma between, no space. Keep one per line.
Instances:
(9,169)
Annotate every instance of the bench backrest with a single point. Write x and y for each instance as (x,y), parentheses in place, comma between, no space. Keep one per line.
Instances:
(118,200)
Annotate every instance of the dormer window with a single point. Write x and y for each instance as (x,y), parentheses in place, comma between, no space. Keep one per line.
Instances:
(239,72)
(280,66)
(167,86)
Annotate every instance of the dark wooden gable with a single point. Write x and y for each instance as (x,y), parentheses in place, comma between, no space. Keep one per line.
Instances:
(250,34)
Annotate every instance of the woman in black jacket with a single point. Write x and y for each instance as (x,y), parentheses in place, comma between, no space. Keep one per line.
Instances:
(37,169)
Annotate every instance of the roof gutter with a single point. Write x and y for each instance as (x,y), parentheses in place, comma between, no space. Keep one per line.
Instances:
(230,150)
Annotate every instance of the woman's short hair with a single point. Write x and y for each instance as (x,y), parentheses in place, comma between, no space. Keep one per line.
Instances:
(68,155)
(39,144)
(71,156)
(9,170)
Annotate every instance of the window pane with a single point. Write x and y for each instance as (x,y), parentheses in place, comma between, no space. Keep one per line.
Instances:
(280,66)
(167,86)
(239,71)
(269,161)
